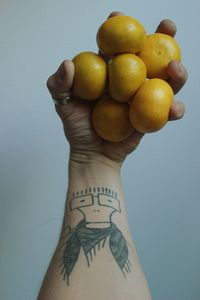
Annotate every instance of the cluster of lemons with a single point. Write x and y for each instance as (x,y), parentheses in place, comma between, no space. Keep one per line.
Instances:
(129,86)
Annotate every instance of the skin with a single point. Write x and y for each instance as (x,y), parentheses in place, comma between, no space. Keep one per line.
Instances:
(96,163)
(76,114)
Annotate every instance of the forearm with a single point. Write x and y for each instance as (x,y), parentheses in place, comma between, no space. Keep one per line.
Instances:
(95,257)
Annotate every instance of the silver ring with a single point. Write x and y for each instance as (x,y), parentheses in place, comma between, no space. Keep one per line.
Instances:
(64,101)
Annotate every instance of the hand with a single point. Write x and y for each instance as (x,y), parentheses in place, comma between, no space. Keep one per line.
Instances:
(76,115)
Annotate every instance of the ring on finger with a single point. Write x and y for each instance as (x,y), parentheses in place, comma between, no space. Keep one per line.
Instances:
(63,101)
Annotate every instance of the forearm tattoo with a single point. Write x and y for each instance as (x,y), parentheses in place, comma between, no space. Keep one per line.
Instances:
(97,206)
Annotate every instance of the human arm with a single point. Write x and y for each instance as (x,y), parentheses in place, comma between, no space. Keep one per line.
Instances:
(109,269)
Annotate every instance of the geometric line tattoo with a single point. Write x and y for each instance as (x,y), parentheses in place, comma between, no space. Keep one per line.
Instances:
(92,232)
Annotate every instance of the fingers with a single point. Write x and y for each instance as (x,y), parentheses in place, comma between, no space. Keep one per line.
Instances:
(60,83)
(133,141)
(177,111)
(115,13)
(177,72)
(177,76)
(105,57)
(167,27)
(137,136)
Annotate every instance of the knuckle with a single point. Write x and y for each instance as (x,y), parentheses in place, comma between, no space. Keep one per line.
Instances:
(182,75)
(49,83)
(181,78)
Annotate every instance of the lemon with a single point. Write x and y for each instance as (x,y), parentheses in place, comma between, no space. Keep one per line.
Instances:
(149,110)
(157,51)
(127,72)
(111,121)
(120,34)
(90,76)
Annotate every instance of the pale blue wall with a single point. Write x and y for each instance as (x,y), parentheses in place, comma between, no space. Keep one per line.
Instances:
(161,179)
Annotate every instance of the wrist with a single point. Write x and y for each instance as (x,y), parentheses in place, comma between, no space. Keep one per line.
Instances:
(88,159)
(93,170)
(95,191)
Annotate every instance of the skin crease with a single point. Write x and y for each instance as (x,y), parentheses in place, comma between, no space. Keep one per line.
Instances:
(76,114)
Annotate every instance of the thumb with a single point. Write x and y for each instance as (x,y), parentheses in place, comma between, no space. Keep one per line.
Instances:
(60,83)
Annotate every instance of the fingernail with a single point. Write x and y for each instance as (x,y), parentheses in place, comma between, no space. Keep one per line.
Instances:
(61,72)
(179,67)
(179,114)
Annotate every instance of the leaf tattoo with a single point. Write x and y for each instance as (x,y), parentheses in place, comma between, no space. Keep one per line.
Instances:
(89,239)
(71,254)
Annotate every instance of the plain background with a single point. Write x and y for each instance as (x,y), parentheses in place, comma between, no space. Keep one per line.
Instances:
(161,179)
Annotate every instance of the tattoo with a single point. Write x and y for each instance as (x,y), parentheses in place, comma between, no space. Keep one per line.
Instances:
(92,232)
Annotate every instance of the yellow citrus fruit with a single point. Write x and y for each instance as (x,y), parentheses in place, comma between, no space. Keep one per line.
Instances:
(111,121)
(149,109)
(120,34)
(157,51)
(126,72)
(90,76)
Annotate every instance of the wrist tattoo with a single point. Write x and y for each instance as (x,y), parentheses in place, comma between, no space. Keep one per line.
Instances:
(97,206)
